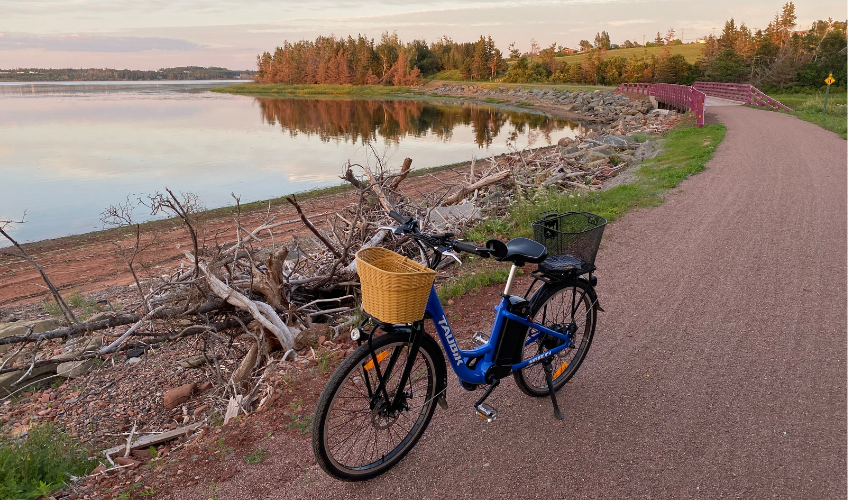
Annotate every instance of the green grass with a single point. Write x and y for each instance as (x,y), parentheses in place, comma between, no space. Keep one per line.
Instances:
(690,51)
(50,307)
(525,104)
(359,91)
(451,75)
(808,107)
(460,285)
(685,152)
(40,463)
(257,457)
(300,423)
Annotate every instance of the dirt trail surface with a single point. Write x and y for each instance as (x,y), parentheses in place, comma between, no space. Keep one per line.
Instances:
(718,369)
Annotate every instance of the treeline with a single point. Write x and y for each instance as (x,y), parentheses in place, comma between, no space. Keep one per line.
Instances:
(777,56)
(105,74)
(362,61)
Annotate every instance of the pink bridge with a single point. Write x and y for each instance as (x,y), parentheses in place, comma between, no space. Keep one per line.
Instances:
(693,98)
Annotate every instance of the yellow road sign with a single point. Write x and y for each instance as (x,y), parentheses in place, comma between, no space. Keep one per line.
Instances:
(829,80)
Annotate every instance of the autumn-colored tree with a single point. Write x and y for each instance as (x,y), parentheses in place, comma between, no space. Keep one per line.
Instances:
(548,58)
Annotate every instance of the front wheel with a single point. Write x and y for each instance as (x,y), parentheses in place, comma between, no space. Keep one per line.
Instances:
(356,435)
(566,306)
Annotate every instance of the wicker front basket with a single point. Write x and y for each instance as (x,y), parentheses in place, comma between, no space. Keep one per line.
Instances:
(394,289)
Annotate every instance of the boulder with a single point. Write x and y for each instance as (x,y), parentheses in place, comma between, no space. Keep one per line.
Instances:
(617,140)
(193,361)
(8,379)
(75,369)
(444,217)
(21,327)
(593,156)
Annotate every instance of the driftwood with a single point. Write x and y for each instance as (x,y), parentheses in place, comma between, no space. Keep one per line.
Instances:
(236,298)
(149,441)
(306,222)
(466,190)
(260,311)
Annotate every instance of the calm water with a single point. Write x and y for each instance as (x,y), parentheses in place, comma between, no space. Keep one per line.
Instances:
(69,150)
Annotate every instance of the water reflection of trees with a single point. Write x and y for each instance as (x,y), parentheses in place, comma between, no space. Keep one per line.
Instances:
(367,120)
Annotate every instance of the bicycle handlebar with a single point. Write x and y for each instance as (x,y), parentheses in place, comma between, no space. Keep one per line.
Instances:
(400,218)
(466,247)
(410,226)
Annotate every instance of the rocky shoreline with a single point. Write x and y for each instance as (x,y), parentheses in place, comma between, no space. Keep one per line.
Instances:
(599,106)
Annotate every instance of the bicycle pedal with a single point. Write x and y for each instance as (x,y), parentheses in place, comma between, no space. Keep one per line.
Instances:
(480,338)
(487,412)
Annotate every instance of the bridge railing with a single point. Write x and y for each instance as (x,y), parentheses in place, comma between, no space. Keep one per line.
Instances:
(678,96)
(741,92)
(636,88)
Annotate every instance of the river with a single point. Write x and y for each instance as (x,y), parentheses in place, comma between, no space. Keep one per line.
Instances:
(69,150)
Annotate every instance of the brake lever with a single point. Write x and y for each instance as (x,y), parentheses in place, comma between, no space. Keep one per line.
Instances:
(451,254)
(393,230)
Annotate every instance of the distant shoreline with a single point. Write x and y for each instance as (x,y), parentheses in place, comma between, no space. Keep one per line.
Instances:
(70,82)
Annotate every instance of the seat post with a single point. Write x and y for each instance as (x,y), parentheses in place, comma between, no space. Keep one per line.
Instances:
(509,279)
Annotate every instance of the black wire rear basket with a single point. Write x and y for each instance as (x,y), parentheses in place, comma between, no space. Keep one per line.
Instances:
(576,234)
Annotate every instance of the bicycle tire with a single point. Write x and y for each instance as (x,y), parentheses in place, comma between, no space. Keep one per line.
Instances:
(330,416)
(580,305)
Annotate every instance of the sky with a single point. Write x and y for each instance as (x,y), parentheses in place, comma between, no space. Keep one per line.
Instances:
(152,34)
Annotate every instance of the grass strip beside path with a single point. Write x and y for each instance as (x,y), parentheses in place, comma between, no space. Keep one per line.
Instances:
(808,107)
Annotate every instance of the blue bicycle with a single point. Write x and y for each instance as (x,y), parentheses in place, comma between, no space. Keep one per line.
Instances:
(381,398)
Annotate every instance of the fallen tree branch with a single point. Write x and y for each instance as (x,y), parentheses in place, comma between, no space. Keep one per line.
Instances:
(261,312)
(395,180)
(293,200)
(123,319)
(466,190)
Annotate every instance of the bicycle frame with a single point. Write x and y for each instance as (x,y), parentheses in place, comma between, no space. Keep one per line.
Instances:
(458,357)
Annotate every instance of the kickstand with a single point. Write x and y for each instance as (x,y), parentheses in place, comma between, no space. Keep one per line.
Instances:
(550,380)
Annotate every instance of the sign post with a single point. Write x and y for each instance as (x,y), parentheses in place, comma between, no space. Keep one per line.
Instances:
(829,81)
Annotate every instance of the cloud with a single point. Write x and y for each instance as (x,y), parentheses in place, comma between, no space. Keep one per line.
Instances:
(631,21)
(91,43)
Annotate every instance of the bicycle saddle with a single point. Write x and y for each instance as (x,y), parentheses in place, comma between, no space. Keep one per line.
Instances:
(519,251)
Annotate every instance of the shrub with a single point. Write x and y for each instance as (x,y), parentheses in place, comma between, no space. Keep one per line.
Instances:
(40,463)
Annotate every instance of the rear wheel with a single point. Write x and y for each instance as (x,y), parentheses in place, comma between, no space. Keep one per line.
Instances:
(567,306)
(355,433)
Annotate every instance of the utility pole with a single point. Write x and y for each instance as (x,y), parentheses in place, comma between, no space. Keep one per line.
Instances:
(643,40)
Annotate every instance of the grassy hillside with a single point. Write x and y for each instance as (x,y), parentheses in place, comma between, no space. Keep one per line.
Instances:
(690,51)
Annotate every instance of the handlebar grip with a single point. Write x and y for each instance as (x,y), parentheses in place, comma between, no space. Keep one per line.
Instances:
(465,247)
(398,217)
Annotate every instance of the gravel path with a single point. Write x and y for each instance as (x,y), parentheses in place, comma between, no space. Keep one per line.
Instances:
(719,368)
